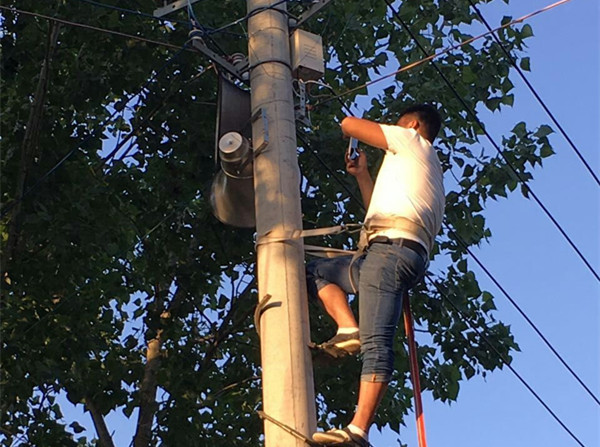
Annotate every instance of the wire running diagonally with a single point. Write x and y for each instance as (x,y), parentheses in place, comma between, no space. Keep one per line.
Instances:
(523,314)
(90,27)
(66,300)
(479,332)
(247,16)
(133,12)
(529,388)
(328,168)
(521,379)
(536,95)
(474,116)
(441,53)
(8,207)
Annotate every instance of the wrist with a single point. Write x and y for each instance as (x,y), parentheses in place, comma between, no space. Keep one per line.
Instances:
(363,176)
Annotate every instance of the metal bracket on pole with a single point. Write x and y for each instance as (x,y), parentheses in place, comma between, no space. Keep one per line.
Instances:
(311,12)
(172,7)
(199,45)
(265,142)
(301,112)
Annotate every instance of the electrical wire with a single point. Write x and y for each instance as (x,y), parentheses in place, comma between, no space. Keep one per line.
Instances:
(7,208)
(328,168)
(513,302)
(522,312)
(133,12)
(474,116)
(324,84)
(90,27)
(58,306)
(446,299)
(250,14)
(441,53)
(194,21)
(335,177)
(196,25)
(536,95)
(506,361)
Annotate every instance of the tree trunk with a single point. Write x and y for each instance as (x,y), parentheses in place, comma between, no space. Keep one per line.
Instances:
(143,434)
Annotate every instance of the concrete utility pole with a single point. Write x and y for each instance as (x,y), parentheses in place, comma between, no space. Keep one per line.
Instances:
(288,389)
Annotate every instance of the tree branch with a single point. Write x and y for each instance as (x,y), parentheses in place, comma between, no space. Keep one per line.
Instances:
(148,405)
(99,423)
(30,142)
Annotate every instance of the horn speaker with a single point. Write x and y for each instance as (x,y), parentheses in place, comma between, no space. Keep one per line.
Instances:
(232,190)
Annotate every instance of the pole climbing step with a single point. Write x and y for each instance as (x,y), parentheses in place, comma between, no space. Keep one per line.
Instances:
(290,430)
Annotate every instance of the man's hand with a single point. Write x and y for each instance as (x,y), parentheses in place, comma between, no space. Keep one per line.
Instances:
(359,169)
(359,166)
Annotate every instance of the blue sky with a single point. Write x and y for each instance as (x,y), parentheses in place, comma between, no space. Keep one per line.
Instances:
(533,262)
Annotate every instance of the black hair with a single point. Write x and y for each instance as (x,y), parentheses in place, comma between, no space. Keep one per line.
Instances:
(429,119)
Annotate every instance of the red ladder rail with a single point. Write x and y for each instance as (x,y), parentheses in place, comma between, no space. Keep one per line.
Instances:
(414,370)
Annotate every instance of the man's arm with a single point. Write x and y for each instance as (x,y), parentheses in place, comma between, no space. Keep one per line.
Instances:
(363,130)
(359,169)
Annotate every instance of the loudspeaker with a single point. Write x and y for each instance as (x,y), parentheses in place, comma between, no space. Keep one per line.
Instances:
(232,190)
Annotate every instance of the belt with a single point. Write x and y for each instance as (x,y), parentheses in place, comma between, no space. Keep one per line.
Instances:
(413,245)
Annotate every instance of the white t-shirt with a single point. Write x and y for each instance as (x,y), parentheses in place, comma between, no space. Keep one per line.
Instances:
(409,185)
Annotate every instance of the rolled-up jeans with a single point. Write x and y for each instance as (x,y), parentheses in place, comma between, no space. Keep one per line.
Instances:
(382,274)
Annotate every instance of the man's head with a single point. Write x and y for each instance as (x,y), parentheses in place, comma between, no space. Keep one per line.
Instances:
(424,118)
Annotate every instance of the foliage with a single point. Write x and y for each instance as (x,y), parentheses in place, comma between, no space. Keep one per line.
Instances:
(110,256)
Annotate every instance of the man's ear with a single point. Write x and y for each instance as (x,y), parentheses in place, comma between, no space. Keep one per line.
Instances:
(414,124)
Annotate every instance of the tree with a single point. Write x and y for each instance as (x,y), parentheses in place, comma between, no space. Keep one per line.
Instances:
(122,292)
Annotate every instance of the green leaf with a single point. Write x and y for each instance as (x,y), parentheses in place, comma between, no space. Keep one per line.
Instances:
(543,131)
(76,427)
(520,130)
(546,151)
(526,31)
(525,63)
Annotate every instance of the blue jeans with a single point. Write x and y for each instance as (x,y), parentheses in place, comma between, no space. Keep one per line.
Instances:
(382,275)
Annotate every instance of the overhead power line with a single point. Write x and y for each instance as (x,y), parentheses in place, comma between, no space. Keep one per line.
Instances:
(468,109)
(189,24)
(485,338)
(464,318)
(251,14)
(441,53)
(511,300)
(328,168)
(536,95)
(474,116)
(133,12)
(90,27)
(523,314)
(8,207)
(483,267)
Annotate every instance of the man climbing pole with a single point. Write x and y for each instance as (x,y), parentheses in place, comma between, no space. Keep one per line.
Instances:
(405,207)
